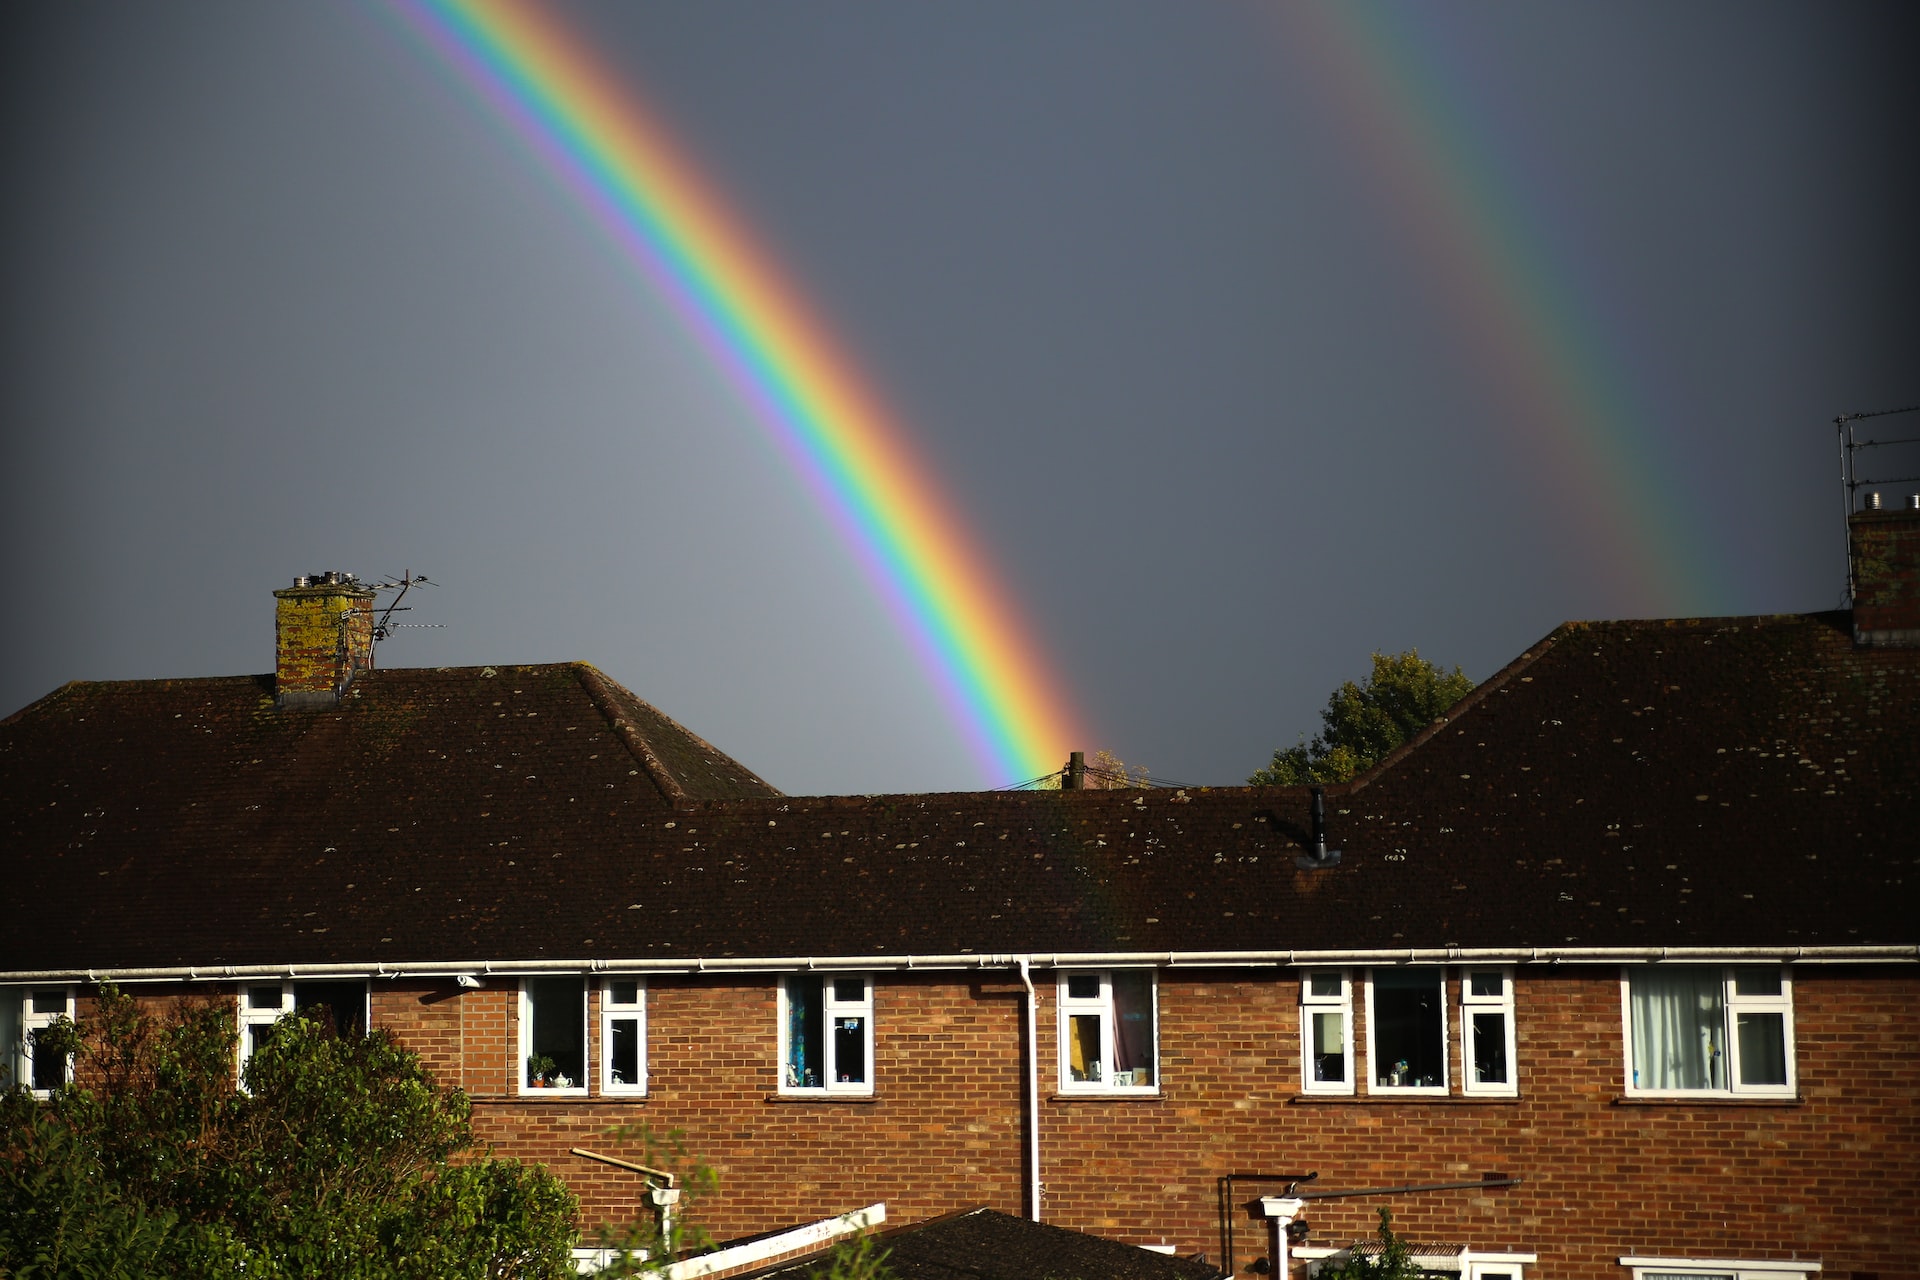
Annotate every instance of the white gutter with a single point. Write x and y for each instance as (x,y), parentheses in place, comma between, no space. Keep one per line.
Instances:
(1850,954)
(1033,1091)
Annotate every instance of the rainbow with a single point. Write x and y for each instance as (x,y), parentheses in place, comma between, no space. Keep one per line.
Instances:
(594,133)
(1565,381)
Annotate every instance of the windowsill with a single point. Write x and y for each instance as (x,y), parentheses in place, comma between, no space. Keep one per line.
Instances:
(1413,1099)
(1707,1100)
(832,1099)
(1107,1095)
(577,1097)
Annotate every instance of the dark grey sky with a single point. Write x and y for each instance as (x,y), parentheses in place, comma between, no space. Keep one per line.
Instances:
(1217,322)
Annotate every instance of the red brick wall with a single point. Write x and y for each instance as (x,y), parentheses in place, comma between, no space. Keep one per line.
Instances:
(1831,1175)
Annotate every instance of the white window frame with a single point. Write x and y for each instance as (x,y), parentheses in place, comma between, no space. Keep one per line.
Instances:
(1446,1050)
(1647,1268)
(251,1018)
(1470,1004)
(831,1007)
(611,1013)
(1732,1004)
(31,1022)
(1102,1005)
(521,1087)
(1311,1004)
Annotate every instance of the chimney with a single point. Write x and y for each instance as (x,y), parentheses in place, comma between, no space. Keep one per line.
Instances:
(1885,548)
(323,633)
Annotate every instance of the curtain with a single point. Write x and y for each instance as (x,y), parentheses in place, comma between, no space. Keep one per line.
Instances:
(1133,1025)
(1679,1028)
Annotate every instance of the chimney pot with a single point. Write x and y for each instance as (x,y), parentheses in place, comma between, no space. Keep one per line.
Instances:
(1872,503)
(1913,502)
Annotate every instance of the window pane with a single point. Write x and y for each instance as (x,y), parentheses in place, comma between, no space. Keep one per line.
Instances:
(341,1007)
(49,1069)
(558,1006)
(1409,1036)
(623,1050)
(263,997)
(1133,1028)
(1486,984)
(1490,1048)
(1329,1047)
(850,990)
(54,1001)
(1324,984)
(806,1049)
(1763,1048)
(623,993)
(1756,980)
(9,1037)
(1679,1028)
(850,1050)
(1083,986)
(1083,1046)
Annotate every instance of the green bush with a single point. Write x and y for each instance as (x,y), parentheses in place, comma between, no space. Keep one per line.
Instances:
(341,1157)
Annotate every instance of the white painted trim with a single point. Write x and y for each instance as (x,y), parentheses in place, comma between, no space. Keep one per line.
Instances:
(1869,954)
(1374,1087)
(1730,1005)
(524,1013)
(811,1236)
(609,1014)
(31,1021)
(1311,1004)
(1503,1004)
(1739,1266)
(1102,1005)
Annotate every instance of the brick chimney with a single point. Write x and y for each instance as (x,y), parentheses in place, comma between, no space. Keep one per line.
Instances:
(1885,546)
(323,633)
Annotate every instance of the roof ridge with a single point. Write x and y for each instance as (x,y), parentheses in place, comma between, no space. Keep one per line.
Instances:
(1474,697)
(43,700)
(600,691)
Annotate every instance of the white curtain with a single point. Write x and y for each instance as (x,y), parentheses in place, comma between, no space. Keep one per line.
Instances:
(1679,1028)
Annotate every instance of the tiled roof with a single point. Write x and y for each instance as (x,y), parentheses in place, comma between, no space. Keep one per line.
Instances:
(1727,782)
(985,1244)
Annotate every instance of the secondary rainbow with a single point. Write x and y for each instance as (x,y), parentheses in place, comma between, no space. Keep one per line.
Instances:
(1568,383)
(595,134)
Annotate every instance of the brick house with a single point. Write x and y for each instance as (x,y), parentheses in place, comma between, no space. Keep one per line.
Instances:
(1614,974)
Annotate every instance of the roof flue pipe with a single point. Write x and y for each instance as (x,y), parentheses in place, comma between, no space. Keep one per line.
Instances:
(1321,855)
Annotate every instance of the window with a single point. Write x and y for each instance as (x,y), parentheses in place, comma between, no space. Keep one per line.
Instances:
(340,1006)
(1486,1032)
(1326,1032)
(553,1036)
(36,1008)
(623,1035)
(1407,1029)
(1718,1269)
(1708,1029)
(1108,1031)
(826,1033)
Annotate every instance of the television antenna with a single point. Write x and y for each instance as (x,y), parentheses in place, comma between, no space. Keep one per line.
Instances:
(1850,479)
(385,626)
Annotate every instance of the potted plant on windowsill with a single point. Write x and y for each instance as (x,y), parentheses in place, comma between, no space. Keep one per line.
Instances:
(540,1069)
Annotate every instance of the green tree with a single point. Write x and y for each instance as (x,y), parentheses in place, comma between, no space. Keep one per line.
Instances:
(1393,1260)
(1364,723)
(341,1157)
